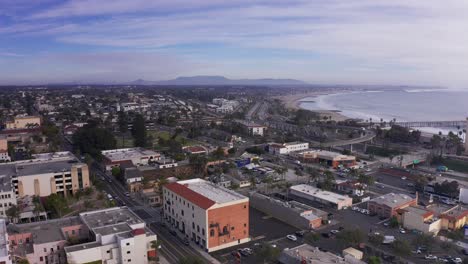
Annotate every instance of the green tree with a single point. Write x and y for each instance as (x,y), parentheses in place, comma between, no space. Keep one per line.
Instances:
(122,122)
(394,222)
(374,260)
(139,131)
(92,139)
(268,253)
(401,248)
(351,237)
(56,204)
(13,213)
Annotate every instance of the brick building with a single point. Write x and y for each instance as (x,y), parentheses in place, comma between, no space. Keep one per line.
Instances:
(388,204)
(212,216)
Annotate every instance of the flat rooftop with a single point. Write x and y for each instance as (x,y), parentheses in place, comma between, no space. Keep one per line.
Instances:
(46,231)
(211,191)
(128,153)
(316,192)
(393,199)
(5,183)
(109,217)
(36,167)
(312,255)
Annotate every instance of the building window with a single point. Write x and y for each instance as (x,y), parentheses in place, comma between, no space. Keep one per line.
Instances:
(198,228)
(129,260)
(245,225)
(128,252)
(108,251)
(193,225)
(245,206)
(45,249)
(128,244)
(41,259)
(182,212)
(203,231)
(232,228)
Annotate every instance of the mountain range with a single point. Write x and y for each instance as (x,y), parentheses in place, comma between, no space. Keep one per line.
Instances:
(218,80)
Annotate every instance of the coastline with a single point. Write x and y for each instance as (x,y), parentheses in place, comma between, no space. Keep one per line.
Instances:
(293,101)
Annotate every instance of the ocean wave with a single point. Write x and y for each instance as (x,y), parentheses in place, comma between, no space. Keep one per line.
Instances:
(425,90)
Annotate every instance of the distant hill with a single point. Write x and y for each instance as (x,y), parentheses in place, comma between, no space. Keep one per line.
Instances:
(218,80)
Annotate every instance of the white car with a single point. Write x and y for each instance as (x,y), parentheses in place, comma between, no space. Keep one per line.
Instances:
(457,260)
(355,208)
(334,231)
(403,178)
(292,237)
(127,194)
(403,231)
(430,257)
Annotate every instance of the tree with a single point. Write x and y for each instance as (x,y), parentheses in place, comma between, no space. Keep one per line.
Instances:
(122,122)
(394,222)
(92,139)
(57,204)
(13,213)
(268,253)
(139,131)
(373,260)
(351,237)
(376,239)
(401,247)
(38,207)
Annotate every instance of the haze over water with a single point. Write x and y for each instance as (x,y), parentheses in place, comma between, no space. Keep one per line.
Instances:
(437,105)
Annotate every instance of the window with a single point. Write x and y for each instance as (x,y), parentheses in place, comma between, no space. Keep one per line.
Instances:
(51,249)
(212,233)
(45,249)
(245,206)
(232,228)
(41,258)
(198,228)
(58,247)
(129,260)
(128,244)
(193,225)
(245,225)
(128,252)
(182,212)
(73,232)
(108,251)
(203,231)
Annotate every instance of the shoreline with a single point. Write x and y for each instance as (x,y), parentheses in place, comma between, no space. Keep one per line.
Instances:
(293,101)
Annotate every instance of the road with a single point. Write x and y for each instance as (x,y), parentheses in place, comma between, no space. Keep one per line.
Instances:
(172,248)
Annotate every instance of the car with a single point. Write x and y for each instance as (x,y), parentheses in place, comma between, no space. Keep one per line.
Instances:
(380,186)
(300,233)
(417,251)
(127,194)
(465,251)
(273,245)
(340,228)
(431,257)
(249,251)
(386,224)
(186,242)
(173,232)
(355,208)
(457,260)
(403,231)
(109,180)
(368,170)
(243,252)
(292,237)
(334,231)
(403,178)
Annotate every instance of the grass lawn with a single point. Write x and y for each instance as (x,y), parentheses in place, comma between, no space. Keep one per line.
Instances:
(167,135)
(127,142)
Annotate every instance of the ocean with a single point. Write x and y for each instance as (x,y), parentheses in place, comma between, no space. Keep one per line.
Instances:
(411,105)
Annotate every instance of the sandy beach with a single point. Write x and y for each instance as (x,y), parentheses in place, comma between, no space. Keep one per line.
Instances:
(293,101)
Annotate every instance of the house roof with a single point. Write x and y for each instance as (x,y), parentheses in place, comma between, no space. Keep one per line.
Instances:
(194,197)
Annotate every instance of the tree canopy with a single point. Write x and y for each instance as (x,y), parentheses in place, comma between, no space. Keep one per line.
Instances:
(139,131)
(92,139)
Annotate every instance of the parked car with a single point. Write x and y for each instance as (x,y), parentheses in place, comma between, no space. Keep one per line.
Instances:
(431,257)
(403,231)
(300,233)
(334,231)
(127,194)
(292,237)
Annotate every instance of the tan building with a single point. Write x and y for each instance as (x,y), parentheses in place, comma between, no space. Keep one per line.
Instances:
(388,204)
(419,218)
(330,158)
(4,157)
(22,122)
(46,174)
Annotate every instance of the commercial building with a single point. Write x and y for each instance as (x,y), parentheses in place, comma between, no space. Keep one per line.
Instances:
(252,128)
(45,174)
(211,216)
(293,213)
(309,254)
(332,159)
(388,204)
(135,156)
(113,235)
(454,218)
(23,122)
(286,148)
(313,194)
(419,218)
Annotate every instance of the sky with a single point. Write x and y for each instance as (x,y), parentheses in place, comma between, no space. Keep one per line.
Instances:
(394,42)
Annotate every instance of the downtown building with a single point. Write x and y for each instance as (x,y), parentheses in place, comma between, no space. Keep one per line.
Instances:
(211,216)
(114,235)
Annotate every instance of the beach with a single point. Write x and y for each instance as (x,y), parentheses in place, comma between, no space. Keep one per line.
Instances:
(293,101)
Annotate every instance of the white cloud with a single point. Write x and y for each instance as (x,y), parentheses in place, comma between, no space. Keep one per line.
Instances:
(399,41)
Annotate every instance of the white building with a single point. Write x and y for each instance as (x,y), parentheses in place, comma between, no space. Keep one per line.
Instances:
(311,193)
(5,257)
(137,156)
(211,216)
(125,107)
(7,195)
(286,148)
(121,237)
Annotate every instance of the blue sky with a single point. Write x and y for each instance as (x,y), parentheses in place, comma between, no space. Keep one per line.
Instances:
(330,41)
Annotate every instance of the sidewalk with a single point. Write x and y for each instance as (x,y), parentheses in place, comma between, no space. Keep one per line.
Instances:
(206,255)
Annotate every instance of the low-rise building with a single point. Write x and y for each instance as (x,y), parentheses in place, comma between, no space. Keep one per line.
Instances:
(388,204)
(352,187)
(313,194)
(211,216)
(195,150)
(4,157)
(330,158)
(165,163)
(5,257)
(136,156)
(114,235)
(306,253)
(252,128)
(24,122)
(420,219)
(454,218)
(286,148)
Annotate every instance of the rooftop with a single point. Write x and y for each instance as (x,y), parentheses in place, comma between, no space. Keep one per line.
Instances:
(46,231)
(393,200)
(419,211)
(204,193)
(323,195)
(128,153)
(312,255)
(36,167)
(95,220)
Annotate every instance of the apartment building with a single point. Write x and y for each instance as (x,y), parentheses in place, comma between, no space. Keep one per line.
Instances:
(45,174)
(117,235)
(22,122)
(4,157)
(114,235)
(135,156)
(211,216)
